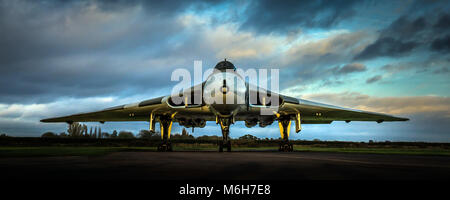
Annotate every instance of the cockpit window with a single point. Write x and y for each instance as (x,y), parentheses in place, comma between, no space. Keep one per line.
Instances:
(224,65)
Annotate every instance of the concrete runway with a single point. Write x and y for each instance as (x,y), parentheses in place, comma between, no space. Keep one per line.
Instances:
(227,166)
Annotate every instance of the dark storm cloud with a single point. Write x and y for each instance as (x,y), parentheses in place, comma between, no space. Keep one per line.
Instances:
(397,39)
(32,29)
(386,47)
(443,23)
(407,34)
(281,16)
(55,49)
(441,44)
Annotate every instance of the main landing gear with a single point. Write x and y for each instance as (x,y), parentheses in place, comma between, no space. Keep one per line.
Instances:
(284,123)
(166,125)
(225,123)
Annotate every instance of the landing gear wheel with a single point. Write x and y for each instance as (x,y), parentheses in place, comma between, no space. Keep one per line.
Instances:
(286,147)
(221,146)
(169,147)
(161,148)
(229,146)
(165,147)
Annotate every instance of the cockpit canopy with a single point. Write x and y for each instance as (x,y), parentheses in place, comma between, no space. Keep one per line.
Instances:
(224,65)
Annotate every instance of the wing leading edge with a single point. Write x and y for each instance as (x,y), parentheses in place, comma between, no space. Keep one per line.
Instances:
(314,112)
(130,112)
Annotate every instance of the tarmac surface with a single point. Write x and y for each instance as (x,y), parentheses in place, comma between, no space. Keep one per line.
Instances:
(227,166)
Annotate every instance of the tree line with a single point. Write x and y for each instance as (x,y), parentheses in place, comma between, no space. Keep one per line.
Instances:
(77,130)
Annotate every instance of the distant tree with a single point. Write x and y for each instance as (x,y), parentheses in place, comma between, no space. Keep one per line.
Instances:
(184,135)
(105,135)
(181,136)
(84,131)
(157,135)
(370,141)
(3,135)
(62,134)
(316,140)
(147,134)
(114,134)
(248,137)
(206,137)
(49,135)
(75,129)
(126,134)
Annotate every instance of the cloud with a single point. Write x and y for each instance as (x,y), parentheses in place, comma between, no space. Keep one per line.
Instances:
(441,44)
(337,47)
(229,42)
(443,22)
(350,68)
(311,59)
(89,48)
(442,70)
(406,34)
(386,47)
(268,16)
(374,79)
(432,63)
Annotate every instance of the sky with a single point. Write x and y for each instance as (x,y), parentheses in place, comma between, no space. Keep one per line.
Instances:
(64,57)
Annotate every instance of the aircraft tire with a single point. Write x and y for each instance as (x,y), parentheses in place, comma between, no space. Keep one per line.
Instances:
(229,146)
(221,146)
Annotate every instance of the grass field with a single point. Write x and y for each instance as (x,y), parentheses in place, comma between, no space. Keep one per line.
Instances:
(96,151)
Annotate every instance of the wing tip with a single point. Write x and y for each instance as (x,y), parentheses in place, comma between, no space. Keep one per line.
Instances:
(402,119)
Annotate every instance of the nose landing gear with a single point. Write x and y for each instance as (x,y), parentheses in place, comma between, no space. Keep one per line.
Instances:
(225,123)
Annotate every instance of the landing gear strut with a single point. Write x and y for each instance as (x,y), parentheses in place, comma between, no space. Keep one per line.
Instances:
(284,123)
(225,126)
(166,125)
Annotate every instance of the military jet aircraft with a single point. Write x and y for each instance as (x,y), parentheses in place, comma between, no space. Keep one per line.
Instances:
(193,113)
